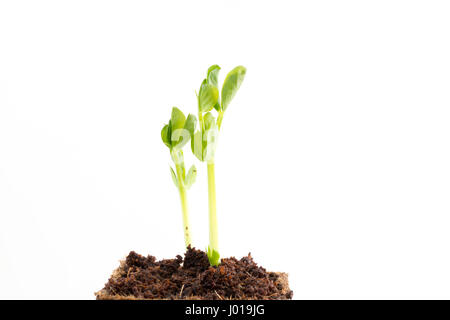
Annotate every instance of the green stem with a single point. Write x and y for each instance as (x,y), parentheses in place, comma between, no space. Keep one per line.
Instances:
(213,229)
(200,121)
(219,119)
(184,205)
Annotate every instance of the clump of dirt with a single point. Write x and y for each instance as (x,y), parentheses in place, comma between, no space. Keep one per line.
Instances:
(141,277)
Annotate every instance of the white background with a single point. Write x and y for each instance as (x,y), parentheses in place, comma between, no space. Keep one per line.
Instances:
(333,161)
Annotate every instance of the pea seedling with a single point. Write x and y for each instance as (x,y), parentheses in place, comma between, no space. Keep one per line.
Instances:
(204,141)
(175,135)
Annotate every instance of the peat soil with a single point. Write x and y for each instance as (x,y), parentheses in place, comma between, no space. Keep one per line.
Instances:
(192,277)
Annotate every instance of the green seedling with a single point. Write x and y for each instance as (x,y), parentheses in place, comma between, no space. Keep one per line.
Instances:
(204,141)
(175,135)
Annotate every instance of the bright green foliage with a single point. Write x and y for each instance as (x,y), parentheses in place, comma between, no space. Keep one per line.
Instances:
(181,129)
(177,119)
(208,96)
(212,78)
(231,85)
(209,121)
(190,124)
(204,141)
(166,136)
(198,145)
(175,135)
(213,75)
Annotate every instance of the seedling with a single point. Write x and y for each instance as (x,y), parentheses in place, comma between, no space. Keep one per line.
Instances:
(204,141)
(175,135)
(152,282)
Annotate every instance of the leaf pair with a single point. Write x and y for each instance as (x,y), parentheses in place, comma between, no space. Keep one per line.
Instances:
(204,142)
(179,130)
(208,96)
(187,180)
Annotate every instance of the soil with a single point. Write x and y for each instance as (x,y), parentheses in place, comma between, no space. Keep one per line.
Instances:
(140,277)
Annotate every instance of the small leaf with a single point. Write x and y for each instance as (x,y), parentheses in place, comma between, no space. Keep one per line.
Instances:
(197,145)
(174,177)
(213,257)
(190,177)
(209,120)
(213,75)
(165,136)
(207,96)
(190,124)
(208,137)
(177,156)
(231,85)
(179,138)
(177,119)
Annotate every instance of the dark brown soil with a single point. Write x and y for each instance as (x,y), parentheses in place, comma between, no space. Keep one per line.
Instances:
(142,277)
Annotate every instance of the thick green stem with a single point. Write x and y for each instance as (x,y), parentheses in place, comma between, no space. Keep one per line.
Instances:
(184,205)
(213,229)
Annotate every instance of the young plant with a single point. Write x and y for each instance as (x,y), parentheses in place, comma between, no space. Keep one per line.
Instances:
(204,141)
(175,135)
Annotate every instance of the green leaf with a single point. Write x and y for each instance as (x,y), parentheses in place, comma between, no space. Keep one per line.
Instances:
(207,96)
(165,136)
(205,150)
(213,75)
(231,85)
(177,119)
(190,177)
(213,257)
(209,120)
(197,145)
(179,138)
(190,124)
(174,177)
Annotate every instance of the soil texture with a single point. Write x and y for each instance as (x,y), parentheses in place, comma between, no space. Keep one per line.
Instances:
(192,278)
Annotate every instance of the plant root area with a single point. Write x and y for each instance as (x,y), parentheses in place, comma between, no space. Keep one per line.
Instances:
(192,278)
